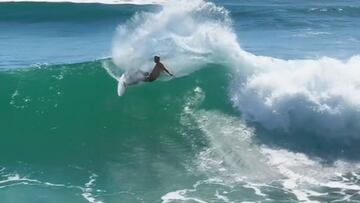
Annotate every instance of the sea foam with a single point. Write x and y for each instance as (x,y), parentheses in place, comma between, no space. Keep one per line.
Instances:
(322,93)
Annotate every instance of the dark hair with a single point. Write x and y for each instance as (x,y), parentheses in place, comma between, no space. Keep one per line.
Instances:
(156,57)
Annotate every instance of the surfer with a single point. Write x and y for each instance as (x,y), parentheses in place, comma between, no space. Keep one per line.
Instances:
(158,68)
(140,76)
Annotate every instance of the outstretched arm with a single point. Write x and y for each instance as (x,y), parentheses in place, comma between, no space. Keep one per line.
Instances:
(166,70)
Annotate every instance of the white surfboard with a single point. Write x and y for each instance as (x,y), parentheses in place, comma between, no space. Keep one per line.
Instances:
(121,85)
(132,79)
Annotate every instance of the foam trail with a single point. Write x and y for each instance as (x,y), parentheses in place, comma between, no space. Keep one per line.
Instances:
(233,162)
(231,151)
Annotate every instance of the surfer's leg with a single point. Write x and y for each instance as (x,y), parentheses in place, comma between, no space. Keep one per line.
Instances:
(149,79)
(141,75)
(145,76)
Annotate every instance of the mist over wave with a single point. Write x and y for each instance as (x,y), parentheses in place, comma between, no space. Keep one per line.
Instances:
(187,35)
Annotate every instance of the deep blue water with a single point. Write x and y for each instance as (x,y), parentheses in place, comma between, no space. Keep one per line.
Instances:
(41,33)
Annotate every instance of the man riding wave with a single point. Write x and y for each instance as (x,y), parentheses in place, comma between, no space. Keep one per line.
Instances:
(155,73)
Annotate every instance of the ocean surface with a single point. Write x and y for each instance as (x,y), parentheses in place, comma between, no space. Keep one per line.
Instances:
(264,105)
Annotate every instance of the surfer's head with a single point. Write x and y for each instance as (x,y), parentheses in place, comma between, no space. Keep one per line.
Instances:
(156,59)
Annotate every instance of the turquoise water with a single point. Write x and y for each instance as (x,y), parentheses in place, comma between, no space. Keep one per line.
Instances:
(264,106)
(67,138)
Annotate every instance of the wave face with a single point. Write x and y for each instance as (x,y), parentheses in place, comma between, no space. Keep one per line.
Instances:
(235,125)
(74,140)
(66,133)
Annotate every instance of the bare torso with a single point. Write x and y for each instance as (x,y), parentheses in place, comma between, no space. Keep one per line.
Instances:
(155,73)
